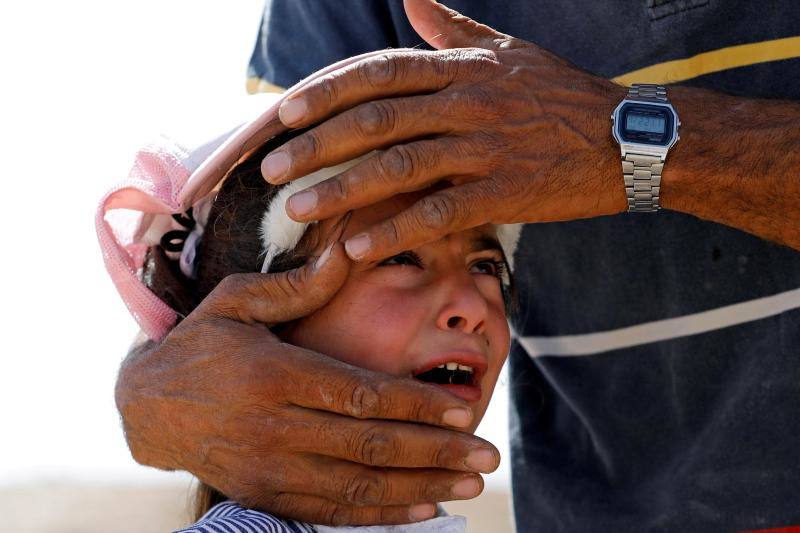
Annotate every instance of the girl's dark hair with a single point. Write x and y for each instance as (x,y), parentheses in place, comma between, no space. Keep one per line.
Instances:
(231,243)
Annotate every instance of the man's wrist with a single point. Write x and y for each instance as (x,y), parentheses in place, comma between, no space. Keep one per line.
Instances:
(680,190)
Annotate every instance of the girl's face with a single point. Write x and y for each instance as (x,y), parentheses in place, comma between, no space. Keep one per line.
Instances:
(408,315)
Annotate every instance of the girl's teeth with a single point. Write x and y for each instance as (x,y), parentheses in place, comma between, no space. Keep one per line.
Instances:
(457,366)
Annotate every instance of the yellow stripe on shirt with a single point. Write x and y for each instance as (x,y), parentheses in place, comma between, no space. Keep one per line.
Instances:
(668,72)
(723,59)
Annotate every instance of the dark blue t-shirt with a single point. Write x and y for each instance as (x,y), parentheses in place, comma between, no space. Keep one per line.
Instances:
(655,380)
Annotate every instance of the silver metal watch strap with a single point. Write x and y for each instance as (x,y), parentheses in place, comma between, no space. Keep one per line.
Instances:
(648,91)
(642,172)
(642,175)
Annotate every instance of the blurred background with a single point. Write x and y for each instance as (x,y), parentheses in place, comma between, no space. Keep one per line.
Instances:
(84,84)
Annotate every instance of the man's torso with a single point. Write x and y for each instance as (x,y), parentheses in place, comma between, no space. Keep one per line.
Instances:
(654,380)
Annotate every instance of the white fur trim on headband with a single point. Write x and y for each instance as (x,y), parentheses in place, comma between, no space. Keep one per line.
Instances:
(279,233)
(508,235)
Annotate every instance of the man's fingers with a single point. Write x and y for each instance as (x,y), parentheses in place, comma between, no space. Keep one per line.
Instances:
(442,27)
(369,126)
(432,217)
(395,444)
(395,73)
(316,510)
(321,383)
(280,297)
(401,168)
(354,484)
(360,393)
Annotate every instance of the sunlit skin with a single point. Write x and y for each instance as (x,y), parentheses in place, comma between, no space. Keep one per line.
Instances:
(440,301)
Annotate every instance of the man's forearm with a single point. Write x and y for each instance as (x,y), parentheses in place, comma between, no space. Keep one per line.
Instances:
(737,163)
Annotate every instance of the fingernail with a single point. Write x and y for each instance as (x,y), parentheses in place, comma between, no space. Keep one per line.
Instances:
(320,262)
(292,110)
(357,246)
(421,511)
(466,488)
(481,460)
(303,202)
(457,417)
(275,165)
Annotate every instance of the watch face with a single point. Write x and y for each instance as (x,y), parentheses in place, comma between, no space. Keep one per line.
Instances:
(645,124)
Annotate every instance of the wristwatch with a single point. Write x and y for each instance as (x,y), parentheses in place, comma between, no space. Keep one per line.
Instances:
(645,125)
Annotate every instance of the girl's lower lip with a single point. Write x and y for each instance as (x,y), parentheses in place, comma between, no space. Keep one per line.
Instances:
(468,393)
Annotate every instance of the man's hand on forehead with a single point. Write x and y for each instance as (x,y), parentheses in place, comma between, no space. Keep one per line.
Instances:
(288,430)
(519,134)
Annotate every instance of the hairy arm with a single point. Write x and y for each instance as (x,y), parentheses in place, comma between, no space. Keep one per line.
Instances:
(737,163)
(521,136)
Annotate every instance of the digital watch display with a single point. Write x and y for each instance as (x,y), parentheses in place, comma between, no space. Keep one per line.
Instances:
(646,126)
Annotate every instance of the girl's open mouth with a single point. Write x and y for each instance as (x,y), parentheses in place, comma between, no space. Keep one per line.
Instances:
(456,378)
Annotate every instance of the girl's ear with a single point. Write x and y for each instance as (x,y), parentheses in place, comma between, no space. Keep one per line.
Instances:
(165,279)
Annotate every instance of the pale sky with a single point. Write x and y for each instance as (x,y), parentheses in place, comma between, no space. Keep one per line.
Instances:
(84,83)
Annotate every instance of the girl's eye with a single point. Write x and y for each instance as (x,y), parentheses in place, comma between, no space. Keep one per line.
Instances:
(407,258)
(490,267)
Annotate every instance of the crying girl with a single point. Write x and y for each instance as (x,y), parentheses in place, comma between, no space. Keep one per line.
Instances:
(435,313)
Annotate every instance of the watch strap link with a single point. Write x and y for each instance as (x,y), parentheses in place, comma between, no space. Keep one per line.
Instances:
(647,91)
(642,172)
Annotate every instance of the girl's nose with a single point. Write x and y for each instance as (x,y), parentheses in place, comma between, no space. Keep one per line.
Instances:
(465,308)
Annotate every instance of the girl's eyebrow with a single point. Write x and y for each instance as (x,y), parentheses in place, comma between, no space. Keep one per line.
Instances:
(485,242)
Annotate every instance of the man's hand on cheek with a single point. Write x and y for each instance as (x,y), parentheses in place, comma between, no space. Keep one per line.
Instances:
(290,431)
(522,135)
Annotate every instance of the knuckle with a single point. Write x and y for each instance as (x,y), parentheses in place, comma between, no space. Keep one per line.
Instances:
(363,401)
(380,71)
(366,488)
(226,298)
(440,66)
(253,493)
(284,504)
(392,231)
(390,515)
(310,145)
(438,211)
(230,284)
(417,411)
(293,281)
(328,90)
(335,514)
(398,162)
(475,105)
(481,58)
(337,187)
(376,118)
(446,453)
(375,446)
(472,62)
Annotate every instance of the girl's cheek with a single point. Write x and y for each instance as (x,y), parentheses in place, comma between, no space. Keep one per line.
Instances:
(366,325)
